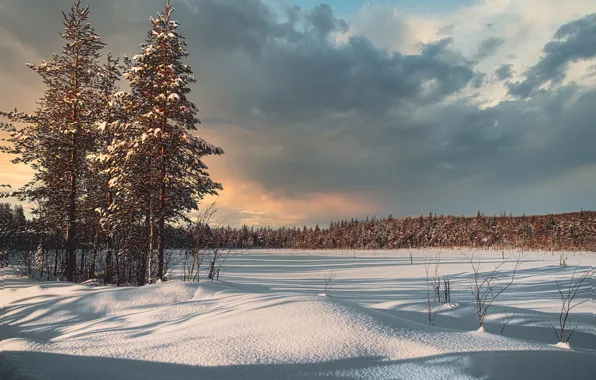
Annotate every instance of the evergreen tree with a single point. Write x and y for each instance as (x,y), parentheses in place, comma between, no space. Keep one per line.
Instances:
(60,133)
(163,118)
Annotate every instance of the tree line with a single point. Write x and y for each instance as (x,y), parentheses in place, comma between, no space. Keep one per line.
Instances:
(567,232)
(111,168)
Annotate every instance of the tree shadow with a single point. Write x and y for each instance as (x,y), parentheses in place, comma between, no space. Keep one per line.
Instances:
(510,365)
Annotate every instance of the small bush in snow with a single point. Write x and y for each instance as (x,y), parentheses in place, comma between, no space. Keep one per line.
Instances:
(485,288)
(568,294)
(329,279)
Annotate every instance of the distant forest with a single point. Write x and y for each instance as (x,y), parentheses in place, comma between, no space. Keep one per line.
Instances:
(569,232)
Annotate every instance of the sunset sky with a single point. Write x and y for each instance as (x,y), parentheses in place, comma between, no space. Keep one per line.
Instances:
(359,107)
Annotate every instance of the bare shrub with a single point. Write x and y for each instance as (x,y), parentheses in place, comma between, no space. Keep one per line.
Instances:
(329,279)
(433,281)
(568,294)
(485,288)
(219,250)
(201,238)
(447,289)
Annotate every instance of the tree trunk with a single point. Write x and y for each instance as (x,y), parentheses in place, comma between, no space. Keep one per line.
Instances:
(151,239)
(71,239)
(82,267)
(94,255)
(162,182)
(108,275)
(161,221)
(117,268)
(71,259)
(212,265)
(44,253)
(84,251)
(56,254)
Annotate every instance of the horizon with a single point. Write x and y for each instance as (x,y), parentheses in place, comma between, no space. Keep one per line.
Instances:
(330,116)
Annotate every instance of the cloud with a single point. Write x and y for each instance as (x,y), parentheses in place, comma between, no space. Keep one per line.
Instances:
(248,24)
(322,19)
(308,80)
(478,80)
(505,71)
(574,41)
(488,47)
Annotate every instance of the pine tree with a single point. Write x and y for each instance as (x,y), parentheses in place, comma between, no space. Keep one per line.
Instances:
(163,118)
(60,134)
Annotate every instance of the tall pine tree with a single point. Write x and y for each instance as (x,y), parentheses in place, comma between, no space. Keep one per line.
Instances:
(171,157)
(60,133)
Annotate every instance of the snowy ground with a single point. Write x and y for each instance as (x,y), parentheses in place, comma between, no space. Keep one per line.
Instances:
(266,318)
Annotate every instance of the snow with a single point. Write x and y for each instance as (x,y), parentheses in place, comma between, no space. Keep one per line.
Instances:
(563,345)
(102,126)
(268,317)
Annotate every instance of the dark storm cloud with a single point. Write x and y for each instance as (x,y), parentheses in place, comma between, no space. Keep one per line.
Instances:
(310,79)
(322,20)
(28,43)
(41,33)
(522,142)
(328,116)
(505,71)
(574,41)
(299,71)
(229,24)
(488,47)
(506,147)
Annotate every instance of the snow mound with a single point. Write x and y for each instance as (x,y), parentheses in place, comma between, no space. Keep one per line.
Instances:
(563,345)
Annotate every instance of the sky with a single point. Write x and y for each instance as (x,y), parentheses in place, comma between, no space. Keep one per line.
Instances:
(353,108)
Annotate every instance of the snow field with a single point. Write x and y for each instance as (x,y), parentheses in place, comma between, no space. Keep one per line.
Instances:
(266,316)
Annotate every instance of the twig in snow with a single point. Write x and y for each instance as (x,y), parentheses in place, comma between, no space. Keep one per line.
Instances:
(508,318)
